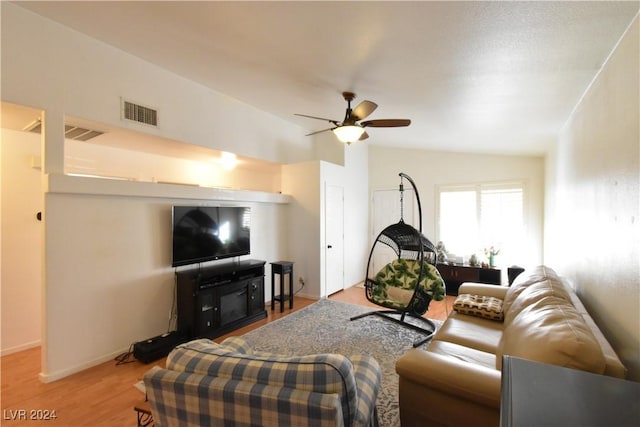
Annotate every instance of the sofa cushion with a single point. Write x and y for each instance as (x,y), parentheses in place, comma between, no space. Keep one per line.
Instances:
(322,373)
(395,283)
(551,331)
(235,344)
(479,305)
(470,331)
(535,292)
(528,278)
(463,353)
(193,400)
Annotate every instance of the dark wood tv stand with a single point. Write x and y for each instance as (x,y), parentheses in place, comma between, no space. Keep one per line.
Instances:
(220,298)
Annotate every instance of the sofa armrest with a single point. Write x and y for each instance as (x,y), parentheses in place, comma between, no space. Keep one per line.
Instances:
(188,399)
(451,376)
(483,289)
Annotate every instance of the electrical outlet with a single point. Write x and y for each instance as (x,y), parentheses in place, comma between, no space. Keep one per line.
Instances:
(301,281)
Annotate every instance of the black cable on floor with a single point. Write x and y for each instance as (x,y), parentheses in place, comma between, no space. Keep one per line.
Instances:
(126,357)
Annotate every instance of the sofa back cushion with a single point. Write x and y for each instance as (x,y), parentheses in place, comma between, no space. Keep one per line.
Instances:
(524,280)
(552,331)
(321,373)
(531,293)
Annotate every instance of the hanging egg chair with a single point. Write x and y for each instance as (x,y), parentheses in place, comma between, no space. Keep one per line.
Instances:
(408,279)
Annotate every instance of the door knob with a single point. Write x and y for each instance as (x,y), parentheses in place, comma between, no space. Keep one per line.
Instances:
(329,246)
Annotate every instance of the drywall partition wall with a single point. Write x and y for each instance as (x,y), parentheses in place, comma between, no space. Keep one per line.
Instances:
(356,213)
(353,178)
(107,270)
(37,70)
(592,231)
(302,182)
(21,261)
(306,183)
(429,169)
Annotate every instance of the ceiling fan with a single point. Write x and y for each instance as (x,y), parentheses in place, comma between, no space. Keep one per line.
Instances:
(350,130)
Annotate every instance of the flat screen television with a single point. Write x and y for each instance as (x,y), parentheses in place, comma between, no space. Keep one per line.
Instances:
(205,233)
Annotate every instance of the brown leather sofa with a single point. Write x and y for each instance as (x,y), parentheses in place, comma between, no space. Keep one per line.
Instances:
(456,380)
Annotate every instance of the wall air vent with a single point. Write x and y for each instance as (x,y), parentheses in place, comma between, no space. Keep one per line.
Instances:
(35,126)
(70,131)
(139,113)
(79,133)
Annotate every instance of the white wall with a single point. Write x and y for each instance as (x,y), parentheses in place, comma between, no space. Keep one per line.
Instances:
(306,183)
(302,182)
(429,169)
(115,224)
(106,277)
(356,213)
(593,201)
(96,159)
(51,67)
(22,234)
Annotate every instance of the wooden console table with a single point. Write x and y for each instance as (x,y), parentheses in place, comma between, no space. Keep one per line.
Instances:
(454,275)
(536,394)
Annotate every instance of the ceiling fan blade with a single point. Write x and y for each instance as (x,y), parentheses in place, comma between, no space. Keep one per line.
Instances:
(386,123)
(319,131)
(335,122)
(363,109)
(364,136)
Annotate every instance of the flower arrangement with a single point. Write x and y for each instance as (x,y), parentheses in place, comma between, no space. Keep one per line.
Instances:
(491,251)
(491,254)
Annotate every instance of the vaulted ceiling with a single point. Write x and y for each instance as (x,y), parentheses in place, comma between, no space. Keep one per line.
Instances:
(498,77)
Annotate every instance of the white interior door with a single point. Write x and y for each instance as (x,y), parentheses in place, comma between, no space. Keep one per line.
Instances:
(334,239)
(387,211)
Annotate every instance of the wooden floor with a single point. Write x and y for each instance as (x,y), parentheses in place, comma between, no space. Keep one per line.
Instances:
(104,395)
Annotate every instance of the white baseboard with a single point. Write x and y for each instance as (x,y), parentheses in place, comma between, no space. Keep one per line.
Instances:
(304,295)
(54,376)
(18,348)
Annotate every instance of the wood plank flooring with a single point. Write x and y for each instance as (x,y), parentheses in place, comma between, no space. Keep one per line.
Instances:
(104,395)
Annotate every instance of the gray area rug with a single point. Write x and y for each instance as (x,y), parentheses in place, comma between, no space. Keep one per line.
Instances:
(324,327)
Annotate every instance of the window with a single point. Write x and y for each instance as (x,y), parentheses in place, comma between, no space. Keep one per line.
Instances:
(476,217)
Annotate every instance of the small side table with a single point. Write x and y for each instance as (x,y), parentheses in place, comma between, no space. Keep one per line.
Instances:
(281,268)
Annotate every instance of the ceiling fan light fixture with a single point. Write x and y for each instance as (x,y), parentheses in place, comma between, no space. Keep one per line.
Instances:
(348,133)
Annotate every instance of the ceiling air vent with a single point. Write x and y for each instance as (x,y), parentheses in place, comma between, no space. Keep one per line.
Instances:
(70,131)
(79,133)
(139,113)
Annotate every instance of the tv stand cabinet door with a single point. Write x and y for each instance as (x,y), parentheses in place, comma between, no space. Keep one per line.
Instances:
(207,313)
(256,295)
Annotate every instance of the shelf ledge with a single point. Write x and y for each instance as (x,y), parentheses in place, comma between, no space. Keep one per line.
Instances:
(85,185)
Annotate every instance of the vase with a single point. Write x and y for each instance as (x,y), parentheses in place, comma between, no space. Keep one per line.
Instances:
(492,260)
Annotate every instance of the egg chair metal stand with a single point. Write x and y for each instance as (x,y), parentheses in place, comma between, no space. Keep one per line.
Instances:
(406,285)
